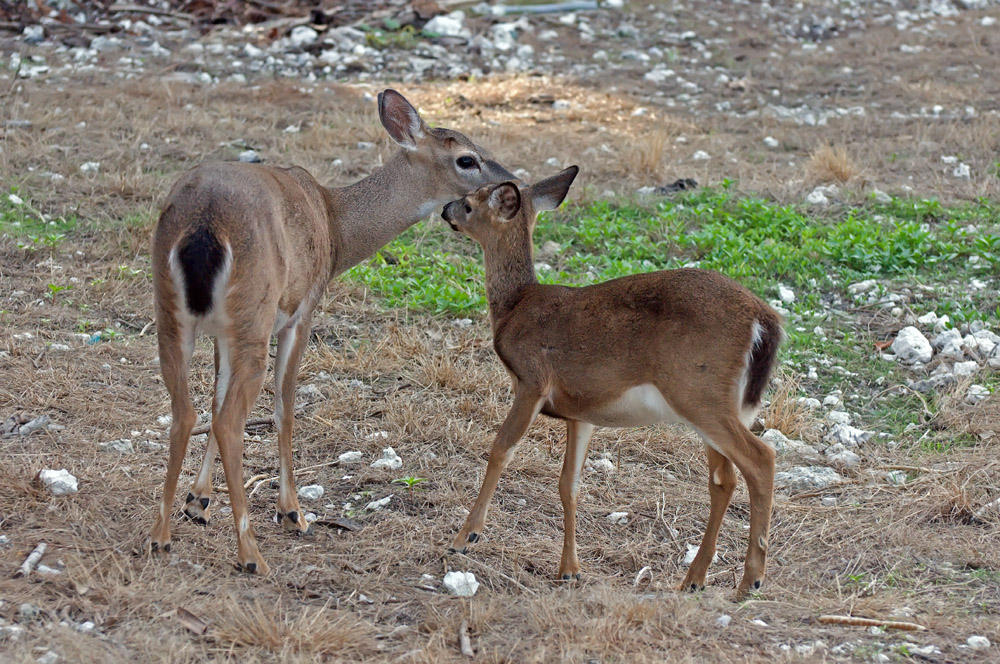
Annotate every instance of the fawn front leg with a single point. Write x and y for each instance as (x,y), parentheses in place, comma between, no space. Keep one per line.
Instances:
(520,417)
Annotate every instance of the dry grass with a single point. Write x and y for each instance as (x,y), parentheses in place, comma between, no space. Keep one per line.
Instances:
(786,413)
(831,164)
(439,394)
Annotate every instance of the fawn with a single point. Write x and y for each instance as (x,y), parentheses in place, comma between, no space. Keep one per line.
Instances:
(680,345)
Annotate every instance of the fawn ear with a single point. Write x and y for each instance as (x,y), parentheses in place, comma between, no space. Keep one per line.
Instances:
(550,193)
(505,200)
(400,119)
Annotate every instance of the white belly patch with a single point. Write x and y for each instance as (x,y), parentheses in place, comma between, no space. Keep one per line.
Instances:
(642,405)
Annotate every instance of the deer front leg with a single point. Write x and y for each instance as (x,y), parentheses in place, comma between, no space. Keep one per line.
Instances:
(577,440)
(520,417)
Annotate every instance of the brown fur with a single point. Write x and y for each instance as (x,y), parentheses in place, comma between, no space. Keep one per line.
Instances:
(287,237)
(574,352)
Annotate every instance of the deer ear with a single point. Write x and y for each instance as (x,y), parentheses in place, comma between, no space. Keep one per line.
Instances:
(400,119)
(505,200)
(550,193)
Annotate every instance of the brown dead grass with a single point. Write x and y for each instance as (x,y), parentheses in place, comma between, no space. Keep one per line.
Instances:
(831,164)
(439,394)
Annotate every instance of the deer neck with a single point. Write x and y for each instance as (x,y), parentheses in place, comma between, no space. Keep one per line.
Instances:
(509,272)
(368,214)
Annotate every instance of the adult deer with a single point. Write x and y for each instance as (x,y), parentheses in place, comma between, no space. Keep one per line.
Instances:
(243,252)
(673,346)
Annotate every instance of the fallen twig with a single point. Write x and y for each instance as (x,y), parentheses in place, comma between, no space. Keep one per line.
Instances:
(980,514)
(854,621)
(638,577)
(464,643)
(32,560)
(256,422)
(136,9)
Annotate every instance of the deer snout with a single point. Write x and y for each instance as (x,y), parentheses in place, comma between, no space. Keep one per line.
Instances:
(452,212)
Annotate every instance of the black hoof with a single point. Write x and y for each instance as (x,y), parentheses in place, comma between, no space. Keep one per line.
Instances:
(166,547)
(190,498)
(473,537)
(200,520)
(204,503)
(293,516)
(756,584)
(154,546)
(694,587)
(452,549)
(250,568)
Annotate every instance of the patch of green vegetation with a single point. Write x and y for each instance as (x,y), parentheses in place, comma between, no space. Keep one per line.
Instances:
(753,240)
(20,220)
(393,36)
(916,244)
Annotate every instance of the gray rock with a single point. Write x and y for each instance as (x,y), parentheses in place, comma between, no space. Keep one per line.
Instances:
(838,417)
(376,505)
(249,157)
(807,478)
(978,642)
(817,197)
(896,477)
(723,621)
(881,197)
(365,145)
(784,445)
(448,25)
(461,584)
(847,435)
(829,501)
(311,492)
(390,460)
(303,35)
(976,394)
(862,286)
(40,423)
(840,454)
(50,657)
(11,633)
(28,612)
(911,346)
(350,458)
(618,518)
(121,446)
(33,34)
(963,369)
(58,482)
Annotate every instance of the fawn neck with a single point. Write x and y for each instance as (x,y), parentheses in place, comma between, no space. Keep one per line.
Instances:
(508,270)
(373,211)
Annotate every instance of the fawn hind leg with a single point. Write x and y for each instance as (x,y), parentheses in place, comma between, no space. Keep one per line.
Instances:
(721,484)
(176,344)
(291,343)
(200,495)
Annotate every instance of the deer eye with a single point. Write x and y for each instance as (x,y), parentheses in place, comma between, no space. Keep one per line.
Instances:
(465,161)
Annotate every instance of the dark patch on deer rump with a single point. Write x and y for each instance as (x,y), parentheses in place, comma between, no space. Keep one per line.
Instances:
(762,359)
(200,256)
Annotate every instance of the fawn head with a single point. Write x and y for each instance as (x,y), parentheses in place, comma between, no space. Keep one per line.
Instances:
(454,164)
(494,210)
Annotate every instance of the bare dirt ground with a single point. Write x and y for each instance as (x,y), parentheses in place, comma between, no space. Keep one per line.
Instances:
(437,391)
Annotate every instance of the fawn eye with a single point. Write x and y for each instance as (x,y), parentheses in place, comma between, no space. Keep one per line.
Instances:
(465,161)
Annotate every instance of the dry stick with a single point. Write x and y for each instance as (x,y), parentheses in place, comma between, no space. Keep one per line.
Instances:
(136,9)
(257,422)
(870,622)
(981,513)
(32,560)
(464,643)
(263,477)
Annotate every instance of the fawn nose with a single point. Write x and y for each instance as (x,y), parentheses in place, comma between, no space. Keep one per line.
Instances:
(448,214)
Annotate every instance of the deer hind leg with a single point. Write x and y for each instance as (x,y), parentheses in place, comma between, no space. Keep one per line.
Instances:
(291,343)
(755,460)
(522,414)
(721,484)
(577,440)
(200,495)
(176,344)
(248,363)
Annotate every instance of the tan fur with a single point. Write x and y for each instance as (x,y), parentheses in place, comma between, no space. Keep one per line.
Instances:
(613,350)
(283,237)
